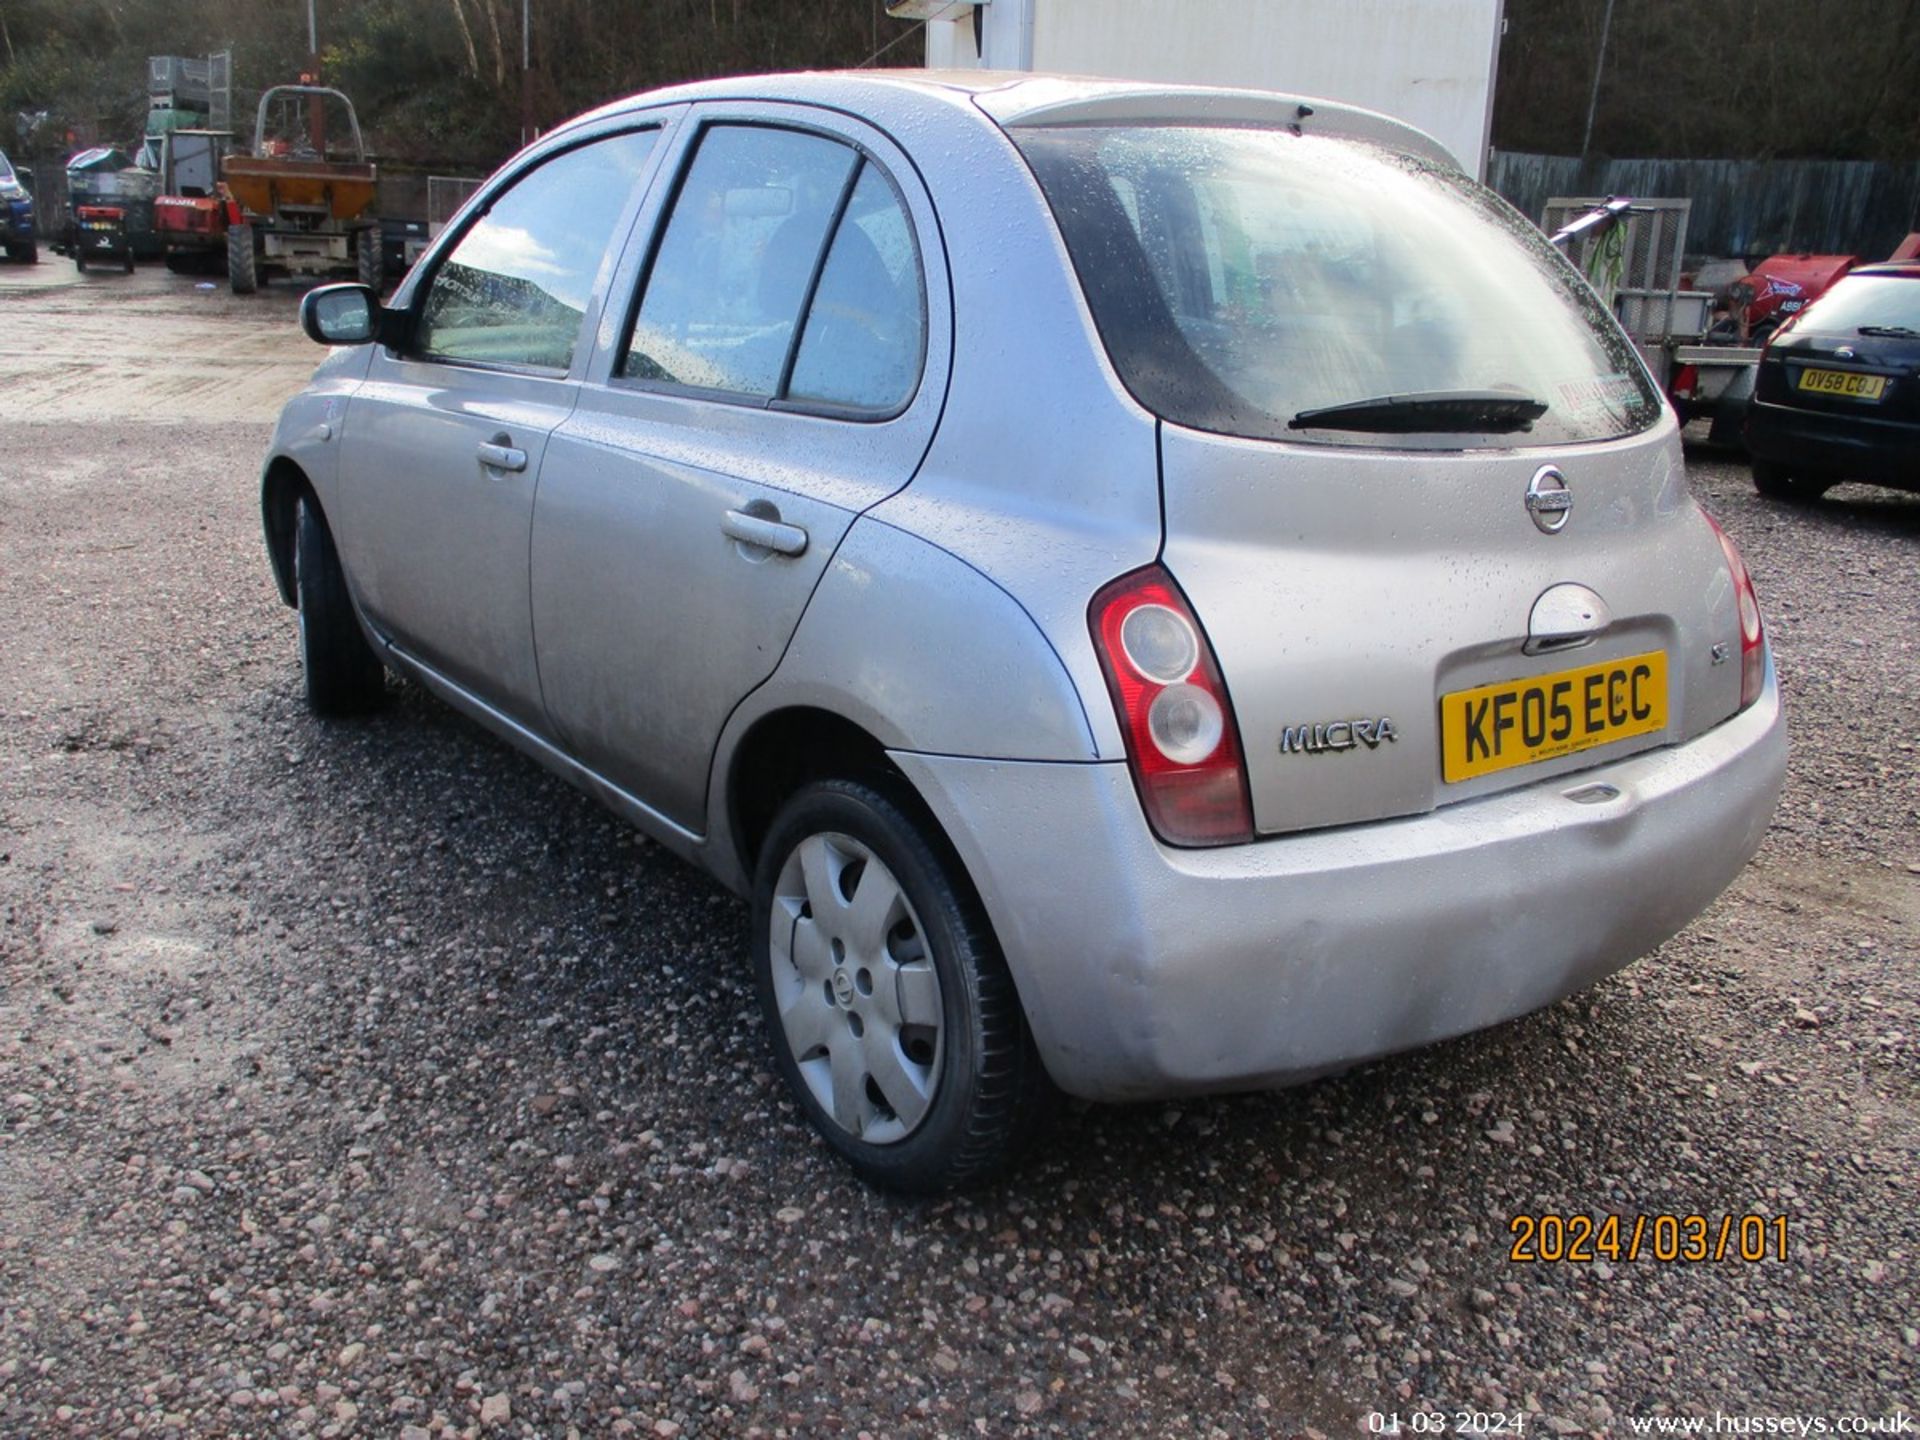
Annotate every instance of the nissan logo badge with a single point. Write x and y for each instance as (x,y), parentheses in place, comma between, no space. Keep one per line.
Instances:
(1549,501)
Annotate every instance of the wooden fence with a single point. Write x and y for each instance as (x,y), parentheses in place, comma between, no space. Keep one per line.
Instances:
(1740,207)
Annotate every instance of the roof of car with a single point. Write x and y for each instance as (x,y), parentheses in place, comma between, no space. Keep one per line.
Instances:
(1018,98)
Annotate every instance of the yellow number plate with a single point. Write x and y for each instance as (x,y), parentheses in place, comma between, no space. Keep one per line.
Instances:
(1844,383)
(1517,722)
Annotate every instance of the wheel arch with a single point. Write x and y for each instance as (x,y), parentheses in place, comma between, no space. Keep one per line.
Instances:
(281,487)
(790,747)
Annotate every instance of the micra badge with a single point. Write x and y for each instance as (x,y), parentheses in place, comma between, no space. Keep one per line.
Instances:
(1337,735)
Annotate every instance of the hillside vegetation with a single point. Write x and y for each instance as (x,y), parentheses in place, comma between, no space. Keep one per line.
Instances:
(1714,79)
(433,80)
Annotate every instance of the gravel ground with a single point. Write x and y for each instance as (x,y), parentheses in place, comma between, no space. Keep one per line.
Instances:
(365,1080)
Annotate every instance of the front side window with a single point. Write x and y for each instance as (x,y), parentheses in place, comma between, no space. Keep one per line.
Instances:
(787,272)
(514,289)
(1259,283)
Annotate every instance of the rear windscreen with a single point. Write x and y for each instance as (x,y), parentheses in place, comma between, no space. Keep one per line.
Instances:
(1888,301)
(1255,282)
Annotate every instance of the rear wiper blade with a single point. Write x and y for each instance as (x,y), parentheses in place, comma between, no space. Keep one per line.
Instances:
(1495,412)
(1893,332)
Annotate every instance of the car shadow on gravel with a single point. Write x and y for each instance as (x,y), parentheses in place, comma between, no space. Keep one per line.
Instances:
(1894,513)
(1890,511)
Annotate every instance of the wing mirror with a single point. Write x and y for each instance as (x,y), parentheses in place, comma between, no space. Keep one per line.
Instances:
(345,314)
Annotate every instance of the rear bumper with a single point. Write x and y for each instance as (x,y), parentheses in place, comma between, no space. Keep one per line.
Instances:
(1148,971)
(1835,447)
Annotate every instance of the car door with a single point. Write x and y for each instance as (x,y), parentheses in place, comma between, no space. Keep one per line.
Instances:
(443,442)
(779,369)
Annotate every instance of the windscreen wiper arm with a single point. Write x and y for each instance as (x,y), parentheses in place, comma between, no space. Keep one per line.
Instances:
(1495,412)
(1890,332)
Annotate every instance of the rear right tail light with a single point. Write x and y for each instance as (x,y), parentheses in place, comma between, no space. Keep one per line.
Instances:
(1183,746)
(1753,634)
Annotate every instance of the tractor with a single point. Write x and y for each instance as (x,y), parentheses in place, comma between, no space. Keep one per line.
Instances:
(303,193)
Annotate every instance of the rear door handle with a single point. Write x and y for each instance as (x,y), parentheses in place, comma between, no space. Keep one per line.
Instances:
(495,456)
(764,534)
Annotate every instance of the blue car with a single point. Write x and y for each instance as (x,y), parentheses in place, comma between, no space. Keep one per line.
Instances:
(16,216)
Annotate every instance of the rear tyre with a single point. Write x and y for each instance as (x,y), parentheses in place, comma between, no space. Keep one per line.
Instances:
(27,253)
(1774,482)
(343,675)
(243,270)
(80,261)
(368,258)
(126,261)
(889,1007)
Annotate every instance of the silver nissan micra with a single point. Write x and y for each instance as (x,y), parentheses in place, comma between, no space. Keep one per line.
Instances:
(1149,590)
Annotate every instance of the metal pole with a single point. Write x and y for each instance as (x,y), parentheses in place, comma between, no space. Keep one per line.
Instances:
(1599,64)
(316,107)
(526,71)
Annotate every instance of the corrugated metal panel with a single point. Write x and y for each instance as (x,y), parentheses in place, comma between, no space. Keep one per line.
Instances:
(1740,207)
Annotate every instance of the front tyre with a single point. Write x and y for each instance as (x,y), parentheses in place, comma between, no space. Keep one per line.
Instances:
(343,675)
(888,1005)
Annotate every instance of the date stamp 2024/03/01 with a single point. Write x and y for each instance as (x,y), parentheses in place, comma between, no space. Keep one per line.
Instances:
(1668,1238)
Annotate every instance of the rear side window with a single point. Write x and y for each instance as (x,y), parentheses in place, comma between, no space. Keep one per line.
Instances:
(514,289)
(787,273)
(1259,283)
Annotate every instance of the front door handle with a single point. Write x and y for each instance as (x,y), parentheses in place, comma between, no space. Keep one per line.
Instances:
(497,456)
(763,533)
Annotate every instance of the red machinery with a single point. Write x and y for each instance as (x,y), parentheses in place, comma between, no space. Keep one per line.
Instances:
(1781,286)
(194,225)
(193,210)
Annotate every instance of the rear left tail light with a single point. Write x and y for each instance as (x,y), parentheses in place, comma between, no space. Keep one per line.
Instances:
(1183,745)
(1753,635)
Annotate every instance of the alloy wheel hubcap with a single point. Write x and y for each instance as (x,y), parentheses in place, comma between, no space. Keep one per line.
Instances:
(858,997)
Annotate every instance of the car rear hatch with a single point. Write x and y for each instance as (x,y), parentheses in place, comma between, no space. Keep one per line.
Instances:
(1396,632)
(1420,493)
(1855,352)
